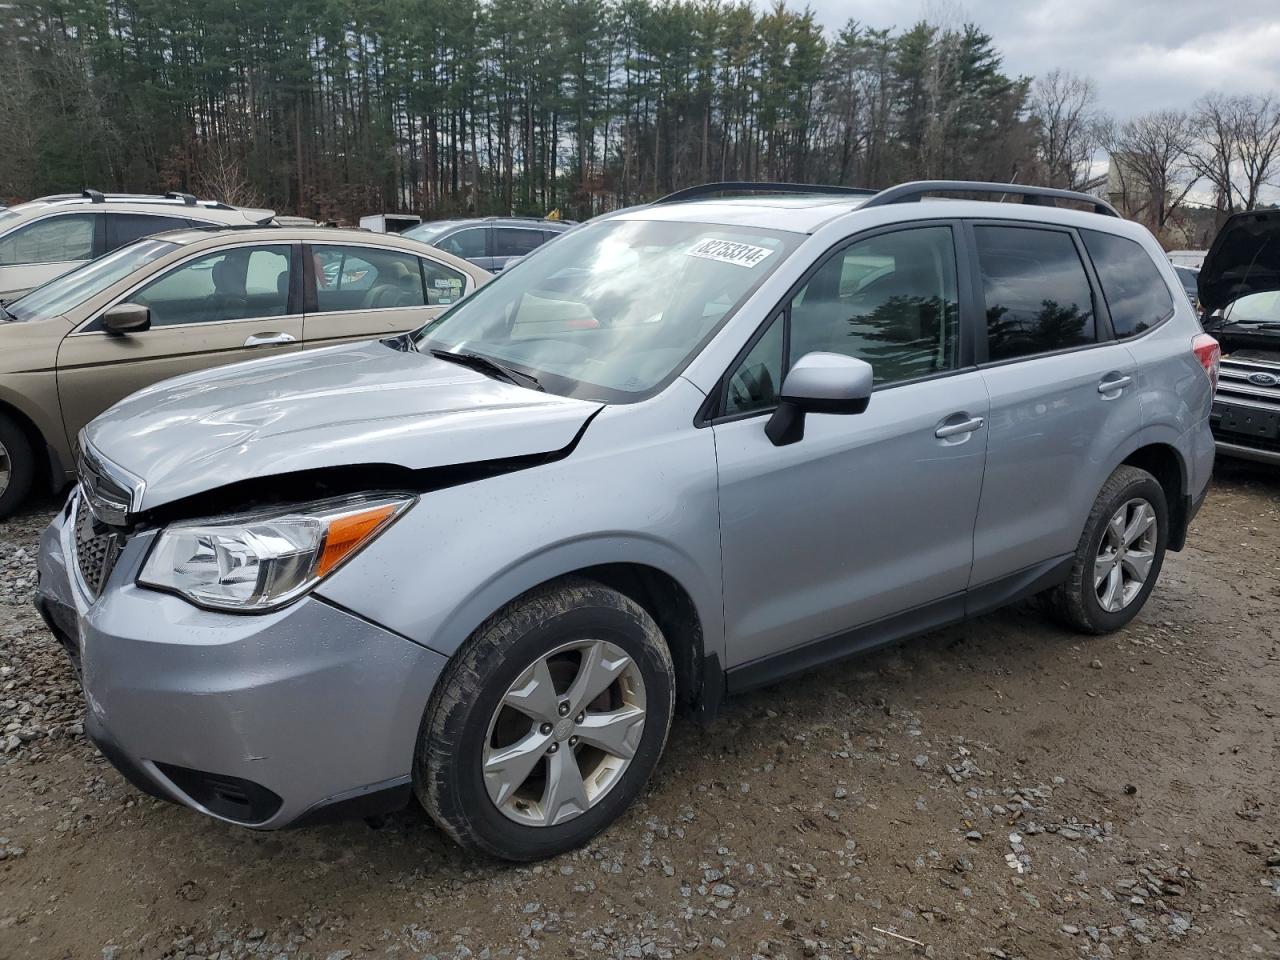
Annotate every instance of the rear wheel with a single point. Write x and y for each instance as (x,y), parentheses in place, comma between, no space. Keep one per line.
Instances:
(1119,555)
(17,466)
(547,723)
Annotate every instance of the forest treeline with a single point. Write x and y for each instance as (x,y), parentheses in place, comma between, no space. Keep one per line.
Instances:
(334,108)
(337,107)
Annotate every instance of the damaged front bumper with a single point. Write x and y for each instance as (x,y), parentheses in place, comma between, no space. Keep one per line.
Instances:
(261,720)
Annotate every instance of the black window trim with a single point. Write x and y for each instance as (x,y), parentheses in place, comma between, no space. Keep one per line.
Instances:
(1173,300)
(1103,333)
(711,411)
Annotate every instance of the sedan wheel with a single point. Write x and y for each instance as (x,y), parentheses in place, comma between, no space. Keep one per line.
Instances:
(6,468)
(565,733)
(1125,556)
(17,466)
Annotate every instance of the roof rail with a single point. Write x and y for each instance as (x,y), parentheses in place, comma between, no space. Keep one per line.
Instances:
(748,186)
(910,192)
(188,199)
(93,196)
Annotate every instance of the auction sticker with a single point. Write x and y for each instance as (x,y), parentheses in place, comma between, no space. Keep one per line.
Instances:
(730,251)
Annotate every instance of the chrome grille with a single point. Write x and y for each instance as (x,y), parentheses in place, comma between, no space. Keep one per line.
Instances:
(97,547)
(1250,381)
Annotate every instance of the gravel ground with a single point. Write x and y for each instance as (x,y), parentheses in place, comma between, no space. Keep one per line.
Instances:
(1000,789)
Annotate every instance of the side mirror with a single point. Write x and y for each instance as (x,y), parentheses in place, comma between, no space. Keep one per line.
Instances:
(127,318)
(819,383)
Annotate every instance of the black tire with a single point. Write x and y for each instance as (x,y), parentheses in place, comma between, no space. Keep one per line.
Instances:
(18,455)
(448,774)
(1076,601)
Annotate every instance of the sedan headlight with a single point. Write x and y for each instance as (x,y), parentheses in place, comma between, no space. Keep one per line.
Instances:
(261,561)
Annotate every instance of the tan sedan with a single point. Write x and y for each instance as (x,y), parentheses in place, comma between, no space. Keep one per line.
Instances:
(187,300)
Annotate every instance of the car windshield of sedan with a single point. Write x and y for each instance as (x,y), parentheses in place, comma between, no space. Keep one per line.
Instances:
(72,289)
(612,311)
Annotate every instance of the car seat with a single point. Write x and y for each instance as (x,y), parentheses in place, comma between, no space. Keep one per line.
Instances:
(397,286)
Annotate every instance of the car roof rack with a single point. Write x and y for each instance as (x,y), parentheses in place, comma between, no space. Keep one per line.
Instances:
(917,190)
(188,199)
(762,186)
(93,196)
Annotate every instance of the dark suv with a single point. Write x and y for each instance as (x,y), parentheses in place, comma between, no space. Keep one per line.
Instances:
(1240,293)
(489,242)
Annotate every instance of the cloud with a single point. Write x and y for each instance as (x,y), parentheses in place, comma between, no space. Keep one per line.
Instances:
(1142,54)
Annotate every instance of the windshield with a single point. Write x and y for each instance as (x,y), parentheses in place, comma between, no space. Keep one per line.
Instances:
(615,310)
(428,233)
(72,289)
(1255,308)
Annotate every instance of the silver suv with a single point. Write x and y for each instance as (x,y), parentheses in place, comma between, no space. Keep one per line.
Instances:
(44,238)
(688,449)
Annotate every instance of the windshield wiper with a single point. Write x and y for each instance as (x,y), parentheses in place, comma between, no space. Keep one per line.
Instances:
(490,366)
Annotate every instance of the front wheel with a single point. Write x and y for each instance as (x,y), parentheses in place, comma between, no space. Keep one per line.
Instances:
(1119,555)
(17,466)
(547,723)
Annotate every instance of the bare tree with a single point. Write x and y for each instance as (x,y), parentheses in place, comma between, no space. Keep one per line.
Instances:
(1258,133)
(1216,122)
(1063,107)
(1150,162)
(223,178)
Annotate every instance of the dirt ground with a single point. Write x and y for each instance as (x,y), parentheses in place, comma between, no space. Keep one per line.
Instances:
(1000,789)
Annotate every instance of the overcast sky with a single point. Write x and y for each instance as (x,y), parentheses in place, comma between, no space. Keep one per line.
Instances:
(1142,54)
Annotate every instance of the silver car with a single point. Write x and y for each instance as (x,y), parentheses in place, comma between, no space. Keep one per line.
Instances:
(689,449)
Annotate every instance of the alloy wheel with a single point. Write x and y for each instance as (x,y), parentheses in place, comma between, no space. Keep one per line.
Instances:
(1125,555)
(6,470)
(564,733)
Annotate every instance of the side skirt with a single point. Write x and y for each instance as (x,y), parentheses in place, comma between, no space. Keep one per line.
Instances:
(899,626)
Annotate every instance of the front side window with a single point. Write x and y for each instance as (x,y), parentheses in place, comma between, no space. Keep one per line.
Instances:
(60,239)
(365,278)
(238,284)
(889,300)
(1135,291)
(72,289)
(467,244)
(511,242)
(1038,297)
(614,310)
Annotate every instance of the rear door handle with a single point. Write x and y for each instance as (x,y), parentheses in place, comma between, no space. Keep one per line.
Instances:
(956,429)
(1114,384)
(267,339)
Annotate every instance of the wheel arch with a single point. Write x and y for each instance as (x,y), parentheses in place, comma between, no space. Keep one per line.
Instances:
(49,469)
(667,584)
(1163,461)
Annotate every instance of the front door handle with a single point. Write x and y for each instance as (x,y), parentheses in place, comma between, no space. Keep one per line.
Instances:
(267,339)
(956,429)
(1114,384)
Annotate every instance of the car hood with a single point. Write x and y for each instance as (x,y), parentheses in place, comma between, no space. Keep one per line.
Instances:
(363,404)
(1244,259)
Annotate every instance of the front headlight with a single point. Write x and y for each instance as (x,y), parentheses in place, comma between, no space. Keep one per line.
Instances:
(258,562)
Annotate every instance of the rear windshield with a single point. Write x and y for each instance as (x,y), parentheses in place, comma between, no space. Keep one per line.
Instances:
(72,289)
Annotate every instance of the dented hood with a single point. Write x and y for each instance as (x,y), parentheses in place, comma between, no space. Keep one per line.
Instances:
(367,403)
(1244,259)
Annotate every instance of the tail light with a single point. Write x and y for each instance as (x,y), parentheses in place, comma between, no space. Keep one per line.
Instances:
(1208,353)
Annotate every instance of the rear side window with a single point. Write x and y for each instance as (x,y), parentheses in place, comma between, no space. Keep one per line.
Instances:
(1136,292)
(1038,297)
(125,228)
(511,242)
(444,284)
(365,278)
(60,239)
